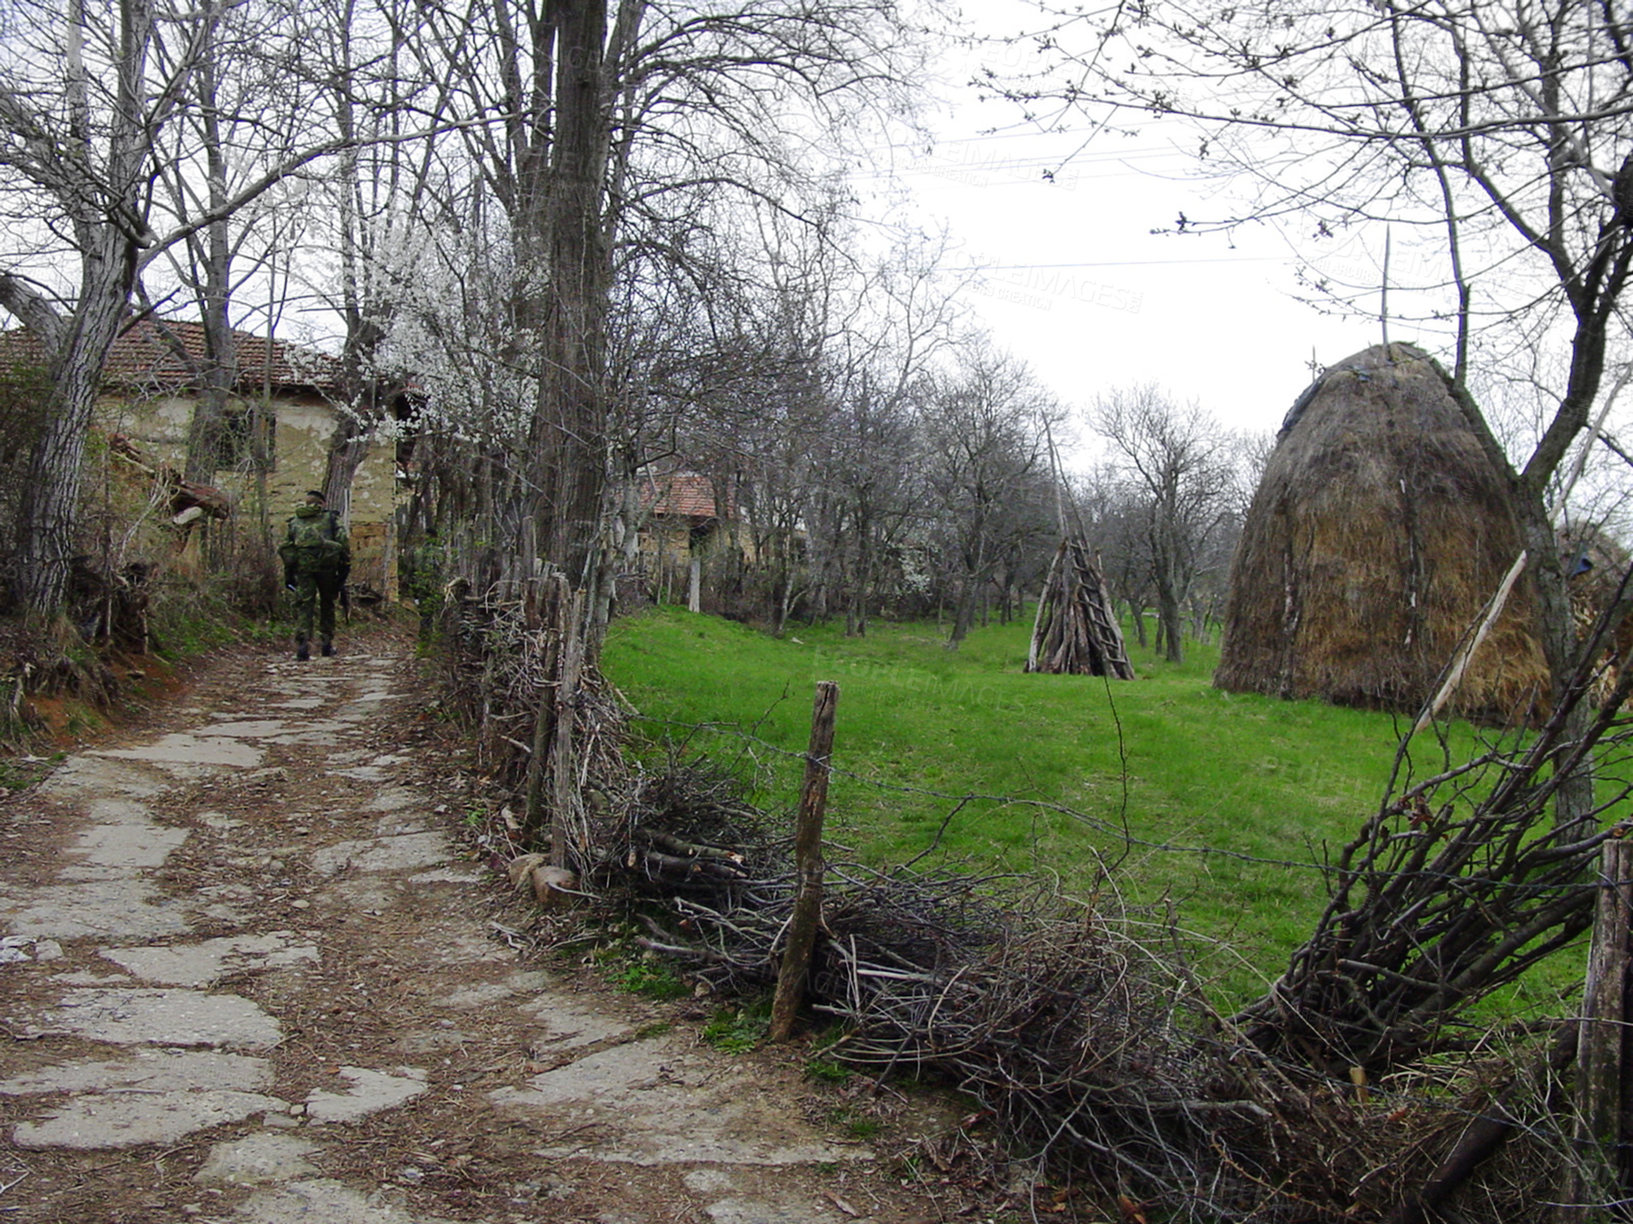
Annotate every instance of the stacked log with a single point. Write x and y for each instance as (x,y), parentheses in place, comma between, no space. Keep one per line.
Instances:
(1076,631)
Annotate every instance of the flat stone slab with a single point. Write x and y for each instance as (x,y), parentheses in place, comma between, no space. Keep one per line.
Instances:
(119,1120)
(319,1201)
(14,948)
(108,809)
(249,728)
(100,777)
(738,1203)
(569,1026)
(157,1017)
(370,1092)
(399,824)
(183,748)
(153,1097)
(258,1160)
(199,964)
(471,873)
(529,984)
(656,1105)
(120,907)
(318,728)
(298,703)
(131,844)
(393,799)
(147,1071)
(374,854)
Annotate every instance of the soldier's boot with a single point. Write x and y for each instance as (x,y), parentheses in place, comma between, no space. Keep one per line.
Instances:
(302,651)
(328,649)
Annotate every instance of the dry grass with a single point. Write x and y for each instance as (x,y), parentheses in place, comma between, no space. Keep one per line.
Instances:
(1379,531)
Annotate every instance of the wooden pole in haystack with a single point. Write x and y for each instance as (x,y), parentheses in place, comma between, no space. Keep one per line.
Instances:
(807,915)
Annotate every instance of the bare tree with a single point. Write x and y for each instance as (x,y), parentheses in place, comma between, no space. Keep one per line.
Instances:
(1179,460)
(613,119)
(1491,139)
(904,315)
(985,454)
(78,117)
(92,111)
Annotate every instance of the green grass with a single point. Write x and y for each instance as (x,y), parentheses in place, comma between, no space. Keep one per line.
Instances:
(641,974)
(1213,806)
(737,1030)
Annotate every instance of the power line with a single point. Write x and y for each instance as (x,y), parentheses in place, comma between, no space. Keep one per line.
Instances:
(1126,263)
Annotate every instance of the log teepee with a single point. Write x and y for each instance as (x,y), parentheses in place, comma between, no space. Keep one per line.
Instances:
(1076,629)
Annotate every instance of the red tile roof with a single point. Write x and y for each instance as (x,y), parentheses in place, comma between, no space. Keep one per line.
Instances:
(144,356)
(678,495)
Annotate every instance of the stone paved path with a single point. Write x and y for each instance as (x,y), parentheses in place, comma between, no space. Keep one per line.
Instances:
(247,976)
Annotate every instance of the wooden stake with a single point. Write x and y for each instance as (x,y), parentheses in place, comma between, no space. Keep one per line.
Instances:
(1604,1060)
(553,613)
(807,916)
(563,766)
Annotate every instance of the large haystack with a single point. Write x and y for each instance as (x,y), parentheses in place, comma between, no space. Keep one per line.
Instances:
(1378,533)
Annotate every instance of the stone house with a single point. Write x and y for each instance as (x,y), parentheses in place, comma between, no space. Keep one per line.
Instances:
(685,520)
(282,418)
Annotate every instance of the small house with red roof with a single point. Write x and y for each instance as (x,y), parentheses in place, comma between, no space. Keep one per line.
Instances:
(282,416)
(686,517)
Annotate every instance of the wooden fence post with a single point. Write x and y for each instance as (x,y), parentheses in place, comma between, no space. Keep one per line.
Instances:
(554,614)
(563,753)
(1604,1058)
(807,915)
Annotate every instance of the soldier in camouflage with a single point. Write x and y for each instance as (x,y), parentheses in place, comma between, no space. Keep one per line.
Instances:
(317,559)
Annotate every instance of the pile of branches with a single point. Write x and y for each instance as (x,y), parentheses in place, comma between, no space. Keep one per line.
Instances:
(1076,630)
(495,644)
(501,658)
(1077,1028)
(1456,887)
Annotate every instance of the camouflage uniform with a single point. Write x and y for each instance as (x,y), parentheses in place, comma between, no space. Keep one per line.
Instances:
(317,559)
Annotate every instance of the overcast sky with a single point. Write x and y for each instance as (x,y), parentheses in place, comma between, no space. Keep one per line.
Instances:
(1075,283)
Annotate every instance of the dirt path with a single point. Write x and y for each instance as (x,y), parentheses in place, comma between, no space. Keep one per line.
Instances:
(249,977)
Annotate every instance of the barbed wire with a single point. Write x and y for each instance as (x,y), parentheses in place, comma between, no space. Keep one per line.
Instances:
(1121,832)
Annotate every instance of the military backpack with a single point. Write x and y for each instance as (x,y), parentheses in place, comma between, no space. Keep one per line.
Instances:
(311,544)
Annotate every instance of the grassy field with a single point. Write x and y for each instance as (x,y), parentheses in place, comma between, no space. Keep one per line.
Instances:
(1217,805)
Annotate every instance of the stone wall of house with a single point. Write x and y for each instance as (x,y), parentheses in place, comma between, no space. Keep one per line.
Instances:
(302,427)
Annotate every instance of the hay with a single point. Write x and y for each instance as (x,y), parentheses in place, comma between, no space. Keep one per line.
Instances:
(1596,564)
(1378,532)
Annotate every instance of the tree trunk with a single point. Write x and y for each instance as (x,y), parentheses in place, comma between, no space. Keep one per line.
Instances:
(571,411)
(1173,623)
(963,615)
(109,228)
(348,447)
(220,372)
(50,503)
